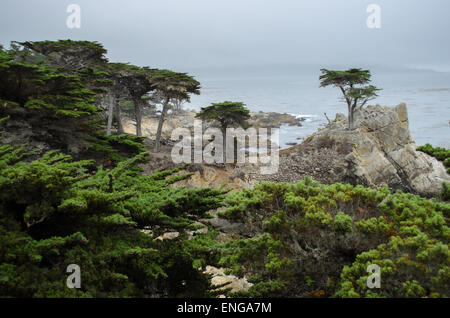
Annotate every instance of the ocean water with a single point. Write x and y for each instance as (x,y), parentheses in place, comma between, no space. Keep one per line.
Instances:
(295,90)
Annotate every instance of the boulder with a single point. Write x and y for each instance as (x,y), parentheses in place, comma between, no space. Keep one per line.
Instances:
(224,281)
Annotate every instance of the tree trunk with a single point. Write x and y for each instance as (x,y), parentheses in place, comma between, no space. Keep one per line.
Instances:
(118,115)
(110,115)
(160,124)
(138,116)
(224,145)
(350,118)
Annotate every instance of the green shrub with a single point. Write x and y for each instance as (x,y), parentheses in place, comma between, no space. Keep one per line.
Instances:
(445,191)
(309,237)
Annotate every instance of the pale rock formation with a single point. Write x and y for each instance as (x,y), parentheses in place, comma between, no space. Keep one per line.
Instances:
(219,278)
(383,152)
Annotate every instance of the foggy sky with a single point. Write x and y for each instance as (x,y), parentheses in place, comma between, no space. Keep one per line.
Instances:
(191,33)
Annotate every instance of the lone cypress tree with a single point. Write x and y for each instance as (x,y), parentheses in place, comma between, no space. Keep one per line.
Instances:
(347,81)
(226,114)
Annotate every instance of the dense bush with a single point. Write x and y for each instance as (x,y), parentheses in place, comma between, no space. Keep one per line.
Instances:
(55,212)
(445,191)
(311,239)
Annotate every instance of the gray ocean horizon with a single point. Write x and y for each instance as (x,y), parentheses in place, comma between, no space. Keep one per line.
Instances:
(294,89)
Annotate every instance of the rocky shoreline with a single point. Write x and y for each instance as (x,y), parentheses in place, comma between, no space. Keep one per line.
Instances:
(185,119)
(379,152)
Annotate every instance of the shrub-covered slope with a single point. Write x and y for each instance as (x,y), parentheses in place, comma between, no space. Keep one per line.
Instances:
(311,239)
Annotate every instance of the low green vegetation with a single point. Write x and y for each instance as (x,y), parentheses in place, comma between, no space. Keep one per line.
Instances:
(445,191)
(310,239)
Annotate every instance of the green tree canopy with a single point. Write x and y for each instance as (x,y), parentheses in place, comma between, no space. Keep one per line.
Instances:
(226,114)
(55,211)
(51,108)
(58,106)
(70,54)
(315,240)
(137,84)
(172,86)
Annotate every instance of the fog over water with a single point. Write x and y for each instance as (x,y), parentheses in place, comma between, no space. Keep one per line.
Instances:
(267,53)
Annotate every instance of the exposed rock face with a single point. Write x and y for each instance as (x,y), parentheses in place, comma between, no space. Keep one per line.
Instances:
(214,177)
(225,226)
(219,278)
(381,152)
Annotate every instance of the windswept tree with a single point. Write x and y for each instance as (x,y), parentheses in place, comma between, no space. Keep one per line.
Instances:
(50,107)
(68,54)
(83,59)
(86,60)
(226,114)
(353,84)
(172,87)
(110,81)
(137,81)
(59,106)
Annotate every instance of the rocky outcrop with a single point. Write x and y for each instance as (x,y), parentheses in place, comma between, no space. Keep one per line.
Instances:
(383,152)
(272,119)
(379,151)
